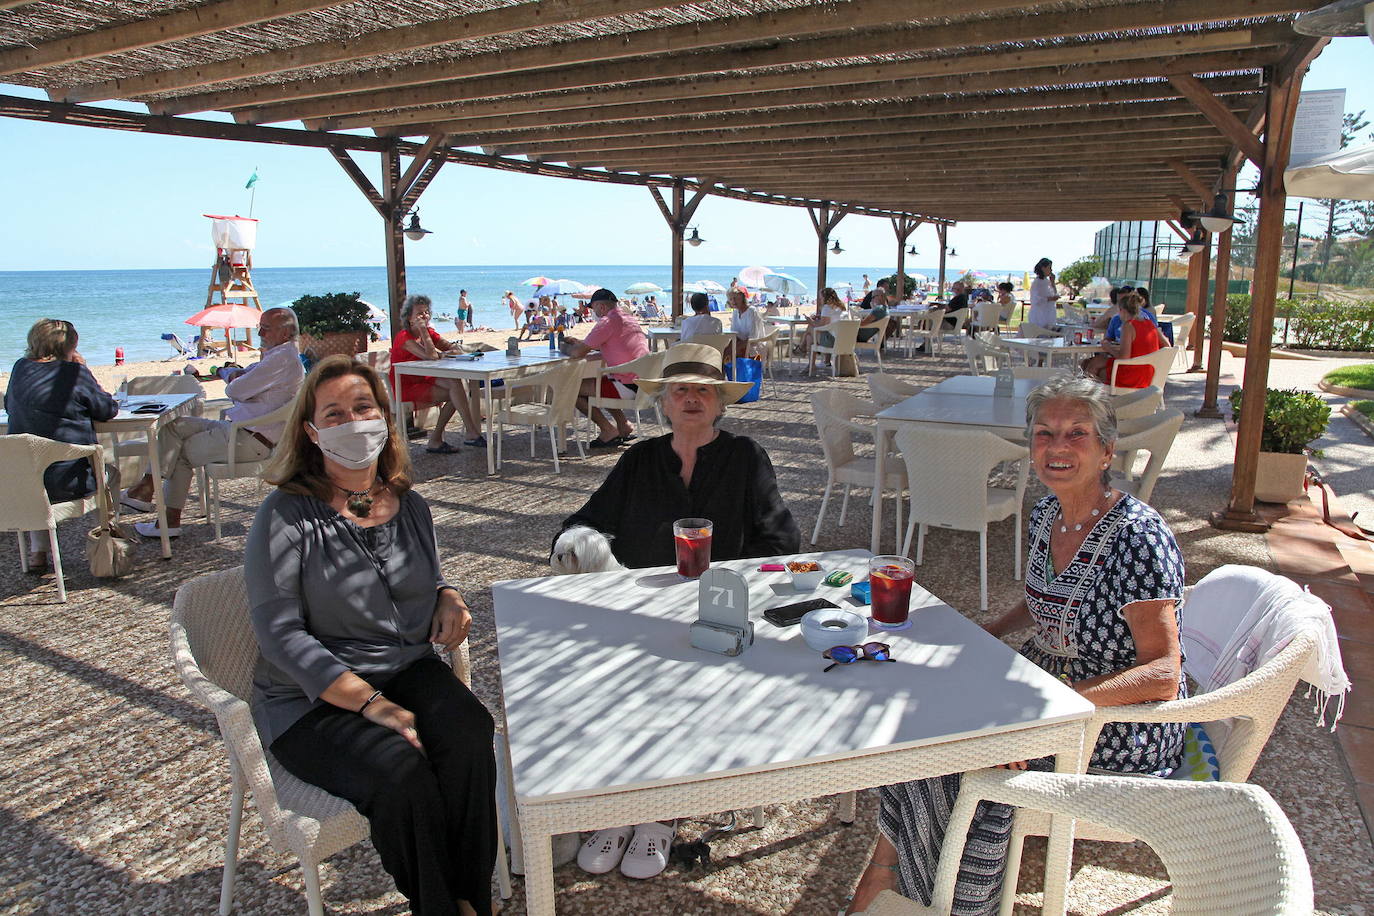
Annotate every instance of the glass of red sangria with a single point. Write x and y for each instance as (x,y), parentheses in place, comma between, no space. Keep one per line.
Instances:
(890,579)
(692,539)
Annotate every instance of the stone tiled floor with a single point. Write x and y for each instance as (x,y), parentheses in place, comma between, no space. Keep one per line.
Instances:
(1340,570)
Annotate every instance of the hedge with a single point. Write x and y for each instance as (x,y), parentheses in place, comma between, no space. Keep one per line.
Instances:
(1313,324)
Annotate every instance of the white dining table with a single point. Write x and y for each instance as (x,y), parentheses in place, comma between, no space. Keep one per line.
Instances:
(128,422)
(1052,346)
(659,336)
(491,366)
(613,718)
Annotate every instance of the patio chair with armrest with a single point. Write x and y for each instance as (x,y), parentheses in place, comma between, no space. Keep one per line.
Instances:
(1138,402)
(1228,848)
(24,504)
(874,344)
(233,469)
(1153,434)
(647,366)
(1160,361)
(1034,330)
(947,476)
(215,652)
(1238,716)
(1183,326)
(846,335)
(836,414)
(960,317)
(928,327)
(887,390)
(553,406)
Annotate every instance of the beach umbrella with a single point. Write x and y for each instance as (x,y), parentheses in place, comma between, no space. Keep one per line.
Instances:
(226,316)
(643,288)
(1347,174)
(753,276)
(562,287)
(784,283)
(844,285)
(537,281)
(710,286)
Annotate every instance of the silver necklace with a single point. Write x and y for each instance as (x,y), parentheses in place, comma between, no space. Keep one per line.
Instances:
(1064,526)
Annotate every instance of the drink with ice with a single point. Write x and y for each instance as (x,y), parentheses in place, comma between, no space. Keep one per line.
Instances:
(692,540)
(890,579)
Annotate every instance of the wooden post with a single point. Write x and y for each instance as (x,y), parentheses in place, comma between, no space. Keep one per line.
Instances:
(1223,277)
(942,230)
(678,215)
(902,227)
(395,239)
(824,221)
(1200,267)
(1281,101)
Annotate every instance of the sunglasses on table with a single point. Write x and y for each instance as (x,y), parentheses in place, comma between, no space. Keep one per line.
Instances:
(848,655)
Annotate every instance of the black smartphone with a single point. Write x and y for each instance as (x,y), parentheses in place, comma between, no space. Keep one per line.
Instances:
(791,614)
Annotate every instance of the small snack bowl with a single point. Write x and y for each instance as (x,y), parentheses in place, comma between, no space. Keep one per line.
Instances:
(806,575)
(829,627)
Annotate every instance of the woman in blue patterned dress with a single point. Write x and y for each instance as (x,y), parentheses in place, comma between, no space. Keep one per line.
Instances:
(1103,585)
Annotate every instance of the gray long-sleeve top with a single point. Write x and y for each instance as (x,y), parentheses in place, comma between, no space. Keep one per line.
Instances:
(328,596)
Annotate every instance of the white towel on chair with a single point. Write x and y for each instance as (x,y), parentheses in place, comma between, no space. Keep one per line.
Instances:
(1239,617)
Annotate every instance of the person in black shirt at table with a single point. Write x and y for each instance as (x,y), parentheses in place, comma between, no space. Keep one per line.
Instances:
(696,471)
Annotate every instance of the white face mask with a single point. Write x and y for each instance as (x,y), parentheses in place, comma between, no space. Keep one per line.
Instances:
(354,445)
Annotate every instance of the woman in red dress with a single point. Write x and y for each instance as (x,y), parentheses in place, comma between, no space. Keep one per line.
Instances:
(419,341)
(1139,337)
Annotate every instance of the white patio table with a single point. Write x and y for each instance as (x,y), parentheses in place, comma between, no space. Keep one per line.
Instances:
(965,401)
(490,367)
(126,422)
(1052,347)
(613,718)
(657,336)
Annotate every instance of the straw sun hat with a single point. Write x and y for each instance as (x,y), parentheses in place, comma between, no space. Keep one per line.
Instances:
(695,364)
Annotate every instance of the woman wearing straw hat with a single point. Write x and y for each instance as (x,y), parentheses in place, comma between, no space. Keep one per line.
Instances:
(698,470)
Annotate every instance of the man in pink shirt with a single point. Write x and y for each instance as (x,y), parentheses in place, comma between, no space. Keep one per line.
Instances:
(619,339)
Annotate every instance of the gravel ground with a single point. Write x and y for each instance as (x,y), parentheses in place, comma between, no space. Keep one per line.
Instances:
(115,788)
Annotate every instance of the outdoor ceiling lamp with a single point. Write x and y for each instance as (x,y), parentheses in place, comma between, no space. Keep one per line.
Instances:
(415,231)
(1341,19)
(1196,242)
(911,250)
(953,253)
(1217,219)
(836,249)
(694,239)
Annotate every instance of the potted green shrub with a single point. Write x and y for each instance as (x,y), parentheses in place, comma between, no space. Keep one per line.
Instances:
(1292,419)
(332,323)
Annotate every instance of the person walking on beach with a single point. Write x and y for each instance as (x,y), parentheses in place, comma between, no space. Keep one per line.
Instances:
(187,443)
(516,311)
(464,318)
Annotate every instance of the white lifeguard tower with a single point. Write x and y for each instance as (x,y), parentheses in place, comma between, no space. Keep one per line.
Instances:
(231,276)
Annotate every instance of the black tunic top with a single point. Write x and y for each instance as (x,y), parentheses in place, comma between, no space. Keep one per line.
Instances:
(59,400)
(732,485)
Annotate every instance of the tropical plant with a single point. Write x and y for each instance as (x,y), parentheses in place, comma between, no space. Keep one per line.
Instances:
(908,288)
(1080,274)
(1292,419)
(331,313)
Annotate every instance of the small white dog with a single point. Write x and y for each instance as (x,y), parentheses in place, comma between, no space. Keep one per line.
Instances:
(582,550)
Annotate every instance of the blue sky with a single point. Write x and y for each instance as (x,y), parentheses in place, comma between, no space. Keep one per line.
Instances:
(82,198)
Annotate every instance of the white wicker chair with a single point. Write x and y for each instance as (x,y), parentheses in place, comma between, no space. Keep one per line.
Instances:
(987,317)
(1238,717)
(947,475)
(214,651)
(1183,326)
(1160,360)
(1154,434)
(874,344)
(928,327)
(725,343)
(232,469)
(1138,402)
(982,358)
(24,504)
(846,334)
(553,405)
(647,366)
(1228,848)
(887,390)
(835,413)
(954,335)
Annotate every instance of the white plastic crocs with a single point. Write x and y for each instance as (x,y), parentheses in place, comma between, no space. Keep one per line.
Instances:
(603,850)
(647,854)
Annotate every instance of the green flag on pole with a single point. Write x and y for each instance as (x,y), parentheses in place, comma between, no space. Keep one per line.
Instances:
(253,180)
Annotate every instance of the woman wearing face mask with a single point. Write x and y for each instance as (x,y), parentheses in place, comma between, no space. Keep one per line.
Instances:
(347,597)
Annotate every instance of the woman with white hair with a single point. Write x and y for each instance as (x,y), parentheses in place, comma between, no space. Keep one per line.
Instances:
(1103,583)
(697,471)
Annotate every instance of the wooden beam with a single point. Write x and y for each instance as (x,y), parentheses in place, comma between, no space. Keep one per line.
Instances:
(1221,291)
(1231,127)
(431,147)
(818,108)
(155,30)
(1199,271)
(379,203)
(549,81)
(752,96)
(519,17)
(413,192)
(395,240)
(1203,192)
(864,23)
(1178,230)
(874,119)
(663,208)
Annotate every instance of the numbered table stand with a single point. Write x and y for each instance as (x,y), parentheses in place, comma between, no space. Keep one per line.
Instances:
(614,718)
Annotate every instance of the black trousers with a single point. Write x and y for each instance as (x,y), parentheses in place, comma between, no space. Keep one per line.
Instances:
(432,815)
